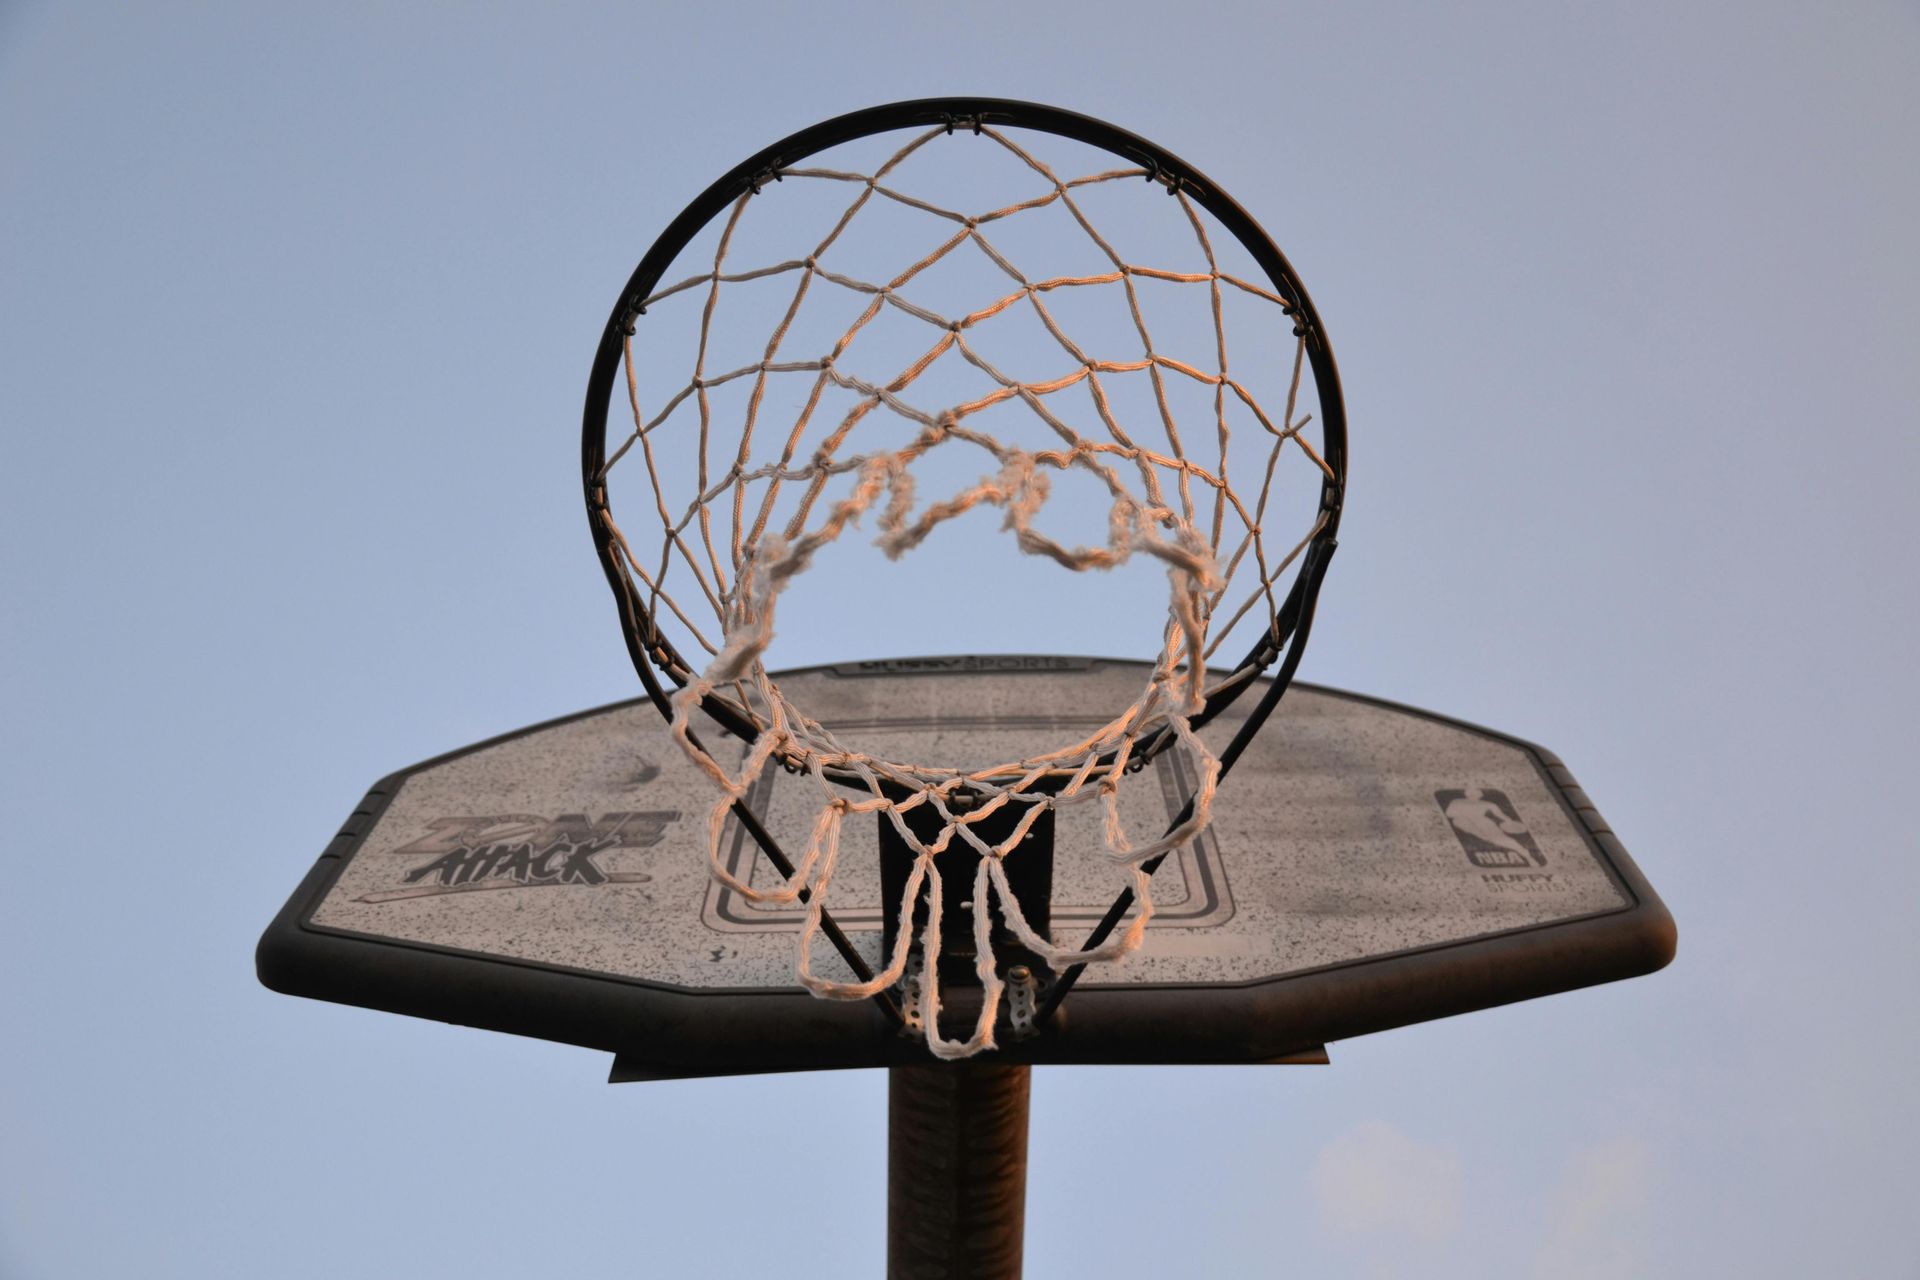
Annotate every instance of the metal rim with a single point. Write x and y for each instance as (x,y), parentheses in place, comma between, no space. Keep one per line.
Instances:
(652,652)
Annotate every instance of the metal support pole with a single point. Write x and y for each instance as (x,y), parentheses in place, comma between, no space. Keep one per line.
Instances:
(956,1171)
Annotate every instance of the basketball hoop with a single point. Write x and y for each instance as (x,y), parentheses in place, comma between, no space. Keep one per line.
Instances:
(763,447)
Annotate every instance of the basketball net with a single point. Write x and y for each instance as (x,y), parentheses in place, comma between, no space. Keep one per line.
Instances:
(841,478)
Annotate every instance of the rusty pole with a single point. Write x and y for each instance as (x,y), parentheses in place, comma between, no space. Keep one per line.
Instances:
(956,1171)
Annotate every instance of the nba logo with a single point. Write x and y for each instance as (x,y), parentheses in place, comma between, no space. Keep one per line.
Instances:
(1489,828)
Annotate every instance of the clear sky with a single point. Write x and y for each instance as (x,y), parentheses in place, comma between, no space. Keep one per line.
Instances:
(298,307)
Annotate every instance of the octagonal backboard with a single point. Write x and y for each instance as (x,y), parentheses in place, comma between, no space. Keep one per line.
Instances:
(1368,866)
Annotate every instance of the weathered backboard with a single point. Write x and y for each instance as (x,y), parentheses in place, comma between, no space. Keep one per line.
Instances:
(1368,866)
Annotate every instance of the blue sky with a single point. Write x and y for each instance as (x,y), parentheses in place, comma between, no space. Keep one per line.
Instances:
(299,307)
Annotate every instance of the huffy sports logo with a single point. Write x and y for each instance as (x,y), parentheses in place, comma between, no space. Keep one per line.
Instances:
(1489,828)
(521,850)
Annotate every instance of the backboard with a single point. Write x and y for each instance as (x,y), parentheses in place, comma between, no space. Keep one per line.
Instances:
(1369,866)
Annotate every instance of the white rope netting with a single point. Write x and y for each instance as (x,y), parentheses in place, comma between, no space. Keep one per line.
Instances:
(779,455)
